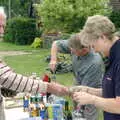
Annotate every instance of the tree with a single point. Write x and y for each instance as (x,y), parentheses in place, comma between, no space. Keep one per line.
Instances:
(17,7)
(69,15)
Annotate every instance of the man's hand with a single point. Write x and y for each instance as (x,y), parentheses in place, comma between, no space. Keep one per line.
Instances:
(53,64)
(57,89)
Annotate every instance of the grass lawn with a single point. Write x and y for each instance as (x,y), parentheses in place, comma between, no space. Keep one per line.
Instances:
(34,62)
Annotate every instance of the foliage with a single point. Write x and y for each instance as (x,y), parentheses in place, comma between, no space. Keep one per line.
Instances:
(69,15)
(39,32)
(20,30)
(65,36)
(18,7)
(37,43)
(115,17)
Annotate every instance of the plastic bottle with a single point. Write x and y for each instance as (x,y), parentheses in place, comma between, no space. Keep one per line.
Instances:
(68,114)
(33,108)
(25,102)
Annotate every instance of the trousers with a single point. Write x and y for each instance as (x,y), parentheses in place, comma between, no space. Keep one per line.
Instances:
(2,110)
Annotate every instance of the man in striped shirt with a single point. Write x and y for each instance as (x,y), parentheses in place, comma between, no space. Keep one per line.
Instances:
(17,82)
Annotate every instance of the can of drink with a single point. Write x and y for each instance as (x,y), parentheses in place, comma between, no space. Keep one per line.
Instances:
(62,102)
(42,113)
(34,110)
(55,112)
(26,103)
(50,111)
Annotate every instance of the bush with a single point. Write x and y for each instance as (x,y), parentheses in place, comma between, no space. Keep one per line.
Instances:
(9,35)
(65,36)
(37,43)
(20,31)
(115,18)
(39,32)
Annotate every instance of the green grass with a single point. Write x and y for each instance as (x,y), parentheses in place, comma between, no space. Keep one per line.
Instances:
(9,46)
(26,64)
(34,62)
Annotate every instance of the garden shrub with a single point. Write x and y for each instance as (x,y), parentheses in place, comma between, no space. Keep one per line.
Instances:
(9,32)
(20,30)
(37,43)
(65,36)
(115,18)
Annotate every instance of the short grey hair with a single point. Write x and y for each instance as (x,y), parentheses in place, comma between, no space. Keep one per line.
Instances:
(75,41)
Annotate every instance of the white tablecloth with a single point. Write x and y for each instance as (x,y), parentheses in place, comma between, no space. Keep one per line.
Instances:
(16,114)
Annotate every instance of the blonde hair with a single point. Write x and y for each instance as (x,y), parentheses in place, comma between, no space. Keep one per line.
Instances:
(96,26)
(117,34)
(86,38)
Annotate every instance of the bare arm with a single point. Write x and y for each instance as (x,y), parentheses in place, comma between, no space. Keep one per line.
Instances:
(110,105)
(90,90)
(95,91)
(54,51)
(59,46)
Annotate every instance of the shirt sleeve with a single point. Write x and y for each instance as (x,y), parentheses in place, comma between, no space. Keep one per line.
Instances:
(93,76)
(63,47)
(17,82)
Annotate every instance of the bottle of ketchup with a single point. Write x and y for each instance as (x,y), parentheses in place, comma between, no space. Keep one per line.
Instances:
(46,78)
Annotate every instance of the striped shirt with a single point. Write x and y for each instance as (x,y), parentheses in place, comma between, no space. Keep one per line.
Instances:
(17,82)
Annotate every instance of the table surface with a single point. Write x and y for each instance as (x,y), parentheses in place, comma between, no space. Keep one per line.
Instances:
(16,114)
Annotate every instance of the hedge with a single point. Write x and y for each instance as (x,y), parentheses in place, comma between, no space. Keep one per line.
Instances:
(20,30)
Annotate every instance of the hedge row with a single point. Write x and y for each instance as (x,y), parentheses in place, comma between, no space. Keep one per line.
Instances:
(20,31)
(115,18)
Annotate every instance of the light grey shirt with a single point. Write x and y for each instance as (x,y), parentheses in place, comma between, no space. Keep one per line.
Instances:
(88,71)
